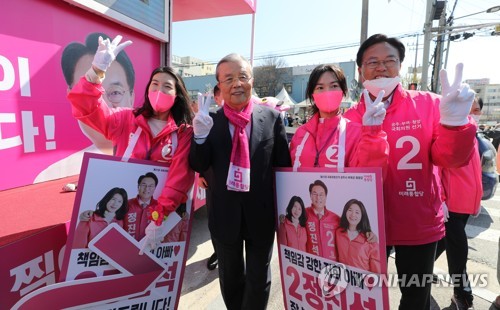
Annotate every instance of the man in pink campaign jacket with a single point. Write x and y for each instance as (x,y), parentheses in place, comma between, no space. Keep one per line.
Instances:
(423,130)
(139,208)
(321,223)
(160,130)
(462,193)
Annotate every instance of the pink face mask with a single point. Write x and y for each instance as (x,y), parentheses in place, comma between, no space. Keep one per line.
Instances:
(161,102)
(328,101)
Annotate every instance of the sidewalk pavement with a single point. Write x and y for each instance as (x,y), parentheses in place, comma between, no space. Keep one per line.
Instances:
(201,290)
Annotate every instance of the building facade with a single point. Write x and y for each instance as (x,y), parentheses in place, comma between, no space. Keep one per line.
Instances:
(188,66)
(490,93)
(293,79)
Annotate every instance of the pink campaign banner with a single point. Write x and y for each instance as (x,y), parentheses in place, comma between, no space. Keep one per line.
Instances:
(137,274)
(41,56)
(36,264)
(200,9)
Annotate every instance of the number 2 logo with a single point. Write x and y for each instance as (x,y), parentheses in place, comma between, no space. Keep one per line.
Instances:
(332,154)
(403,163)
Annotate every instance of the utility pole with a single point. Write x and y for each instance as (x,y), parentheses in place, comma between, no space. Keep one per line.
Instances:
(427,43)
(364,22)
(364,29)
(415,80)
(438,55)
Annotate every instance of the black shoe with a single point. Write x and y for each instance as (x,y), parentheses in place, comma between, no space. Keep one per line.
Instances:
(460,303)
(212,262)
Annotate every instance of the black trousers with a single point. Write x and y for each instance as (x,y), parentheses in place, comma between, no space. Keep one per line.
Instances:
(245,282)
(457,250)
(414,264)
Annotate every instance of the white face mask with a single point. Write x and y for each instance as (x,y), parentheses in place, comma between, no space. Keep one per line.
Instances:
(476,118)
(376,85)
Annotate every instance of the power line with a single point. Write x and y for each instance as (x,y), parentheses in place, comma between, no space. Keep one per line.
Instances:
(306,51)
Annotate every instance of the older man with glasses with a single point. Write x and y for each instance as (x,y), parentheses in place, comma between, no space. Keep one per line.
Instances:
(236,150)
(424,130)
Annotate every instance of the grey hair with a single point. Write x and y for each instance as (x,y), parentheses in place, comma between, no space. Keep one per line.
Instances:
(233,57)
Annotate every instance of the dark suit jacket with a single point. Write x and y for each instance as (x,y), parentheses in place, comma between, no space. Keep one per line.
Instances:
(229,210)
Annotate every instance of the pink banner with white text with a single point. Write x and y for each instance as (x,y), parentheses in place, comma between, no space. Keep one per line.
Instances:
(42,55)
(36,264)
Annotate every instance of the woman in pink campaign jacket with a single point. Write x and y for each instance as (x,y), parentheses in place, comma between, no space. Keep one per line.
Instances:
(328,139)
(110,209)
(292,232)
(423,130)
(352,245)
(160,130)
(462,191)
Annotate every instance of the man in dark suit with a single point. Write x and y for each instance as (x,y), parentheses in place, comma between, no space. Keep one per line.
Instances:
(212,260)
(236,150)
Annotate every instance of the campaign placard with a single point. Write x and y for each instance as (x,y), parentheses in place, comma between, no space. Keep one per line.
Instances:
(331,238)
(102,266)
(36,263)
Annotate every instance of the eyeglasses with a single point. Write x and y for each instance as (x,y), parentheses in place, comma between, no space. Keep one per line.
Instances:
(316,195)
(115,94)
(150,186)
(242,78)
(388,63)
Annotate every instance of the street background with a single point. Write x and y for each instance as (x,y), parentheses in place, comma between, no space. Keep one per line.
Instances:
(201,286)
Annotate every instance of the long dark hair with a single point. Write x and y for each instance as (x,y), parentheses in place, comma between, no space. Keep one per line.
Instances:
(101,205)
(303,217)
(180,111)
(363,225)
(314,78)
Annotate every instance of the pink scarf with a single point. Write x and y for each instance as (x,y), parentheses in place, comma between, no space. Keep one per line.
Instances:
(238,177)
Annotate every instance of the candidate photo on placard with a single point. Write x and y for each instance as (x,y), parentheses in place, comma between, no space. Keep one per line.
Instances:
(330,231)
(110,192)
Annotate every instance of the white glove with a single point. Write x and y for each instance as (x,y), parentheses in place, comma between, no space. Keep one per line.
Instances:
(456,99)
(446,213)
(202,122)
(107,51)
(375,111)
(154,236)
